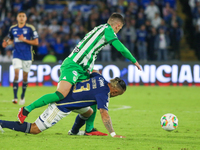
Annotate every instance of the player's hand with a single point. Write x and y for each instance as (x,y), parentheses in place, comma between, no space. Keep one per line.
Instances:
(119,136)
(21,37)
(4,44)
(138,66)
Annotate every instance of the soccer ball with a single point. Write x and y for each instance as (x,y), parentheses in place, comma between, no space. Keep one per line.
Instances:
(169,122)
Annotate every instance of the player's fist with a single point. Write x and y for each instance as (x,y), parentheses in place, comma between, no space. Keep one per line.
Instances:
(4,44)
(119,136)
(21,37)
(138,66)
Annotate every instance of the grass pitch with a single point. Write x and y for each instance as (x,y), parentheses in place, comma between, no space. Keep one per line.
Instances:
(136,115)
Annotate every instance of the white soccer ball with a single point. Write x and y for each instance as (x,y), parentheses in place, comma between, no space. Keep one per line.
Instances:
(169,122)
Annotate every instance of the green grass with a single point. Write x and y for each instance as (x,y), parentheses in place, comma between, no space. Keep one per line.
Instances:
(140,123)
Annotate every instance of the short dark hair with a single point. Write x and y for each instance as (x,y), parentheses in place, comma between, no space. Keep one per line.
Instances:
(21,11)
(117,16)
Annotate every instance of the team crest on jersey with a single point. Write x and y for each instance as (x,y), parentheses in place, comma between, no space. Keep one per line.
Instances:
(74,78)
(101,81)
(24,31)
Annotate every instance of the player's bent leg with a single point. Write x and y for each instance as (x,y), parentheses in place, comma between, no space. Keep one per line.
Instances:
(63,89)
(16,126)
(90,121)
(88,113)
(34,129)
(42,101)
(83,115)
(49,117)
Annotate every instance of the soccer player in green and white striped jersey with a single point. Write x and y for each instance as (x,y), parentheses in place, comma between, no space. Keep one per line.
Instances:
(76,66)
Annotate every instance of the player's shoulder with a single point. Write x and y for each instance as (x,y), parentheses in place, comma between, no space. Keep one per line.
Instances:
(13,26)
(30,26)
(108,28)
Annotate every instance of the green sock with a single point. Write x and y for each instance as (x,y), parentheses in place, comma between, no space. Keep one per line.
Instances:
(44,100)
(90,121)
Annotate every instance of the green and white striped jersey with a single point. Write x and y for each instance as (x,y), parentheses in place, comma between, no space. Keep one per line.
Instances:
(85,53)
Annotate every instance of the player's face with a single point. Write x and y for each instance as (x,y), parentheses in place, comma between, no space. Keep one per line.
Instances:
(118,27)
(115,92)
(21,18)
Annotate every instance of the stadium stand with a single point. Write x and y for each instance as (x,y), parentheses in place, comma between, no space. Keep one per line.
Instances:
(61,24)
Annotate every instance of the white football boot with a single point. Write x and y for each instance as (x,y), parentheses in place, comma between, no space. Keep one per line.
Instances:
(22,101)
(79,133)
(1,129)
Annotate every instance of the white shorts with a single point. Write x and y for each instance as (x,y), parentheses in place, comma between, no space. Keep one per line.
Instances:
(24,64)
(52,115)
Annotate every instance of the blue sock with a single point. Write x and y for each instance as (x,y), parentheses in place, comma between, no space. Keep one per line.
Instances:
(23,89)
(15,88)
(79,122)
(15,125)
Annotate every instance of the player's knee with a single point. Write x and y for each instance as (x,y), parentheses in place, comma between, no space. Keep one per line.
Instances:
(34,129)
(25,76)
(88,113)
(16,77)
(64,87)
(25,79)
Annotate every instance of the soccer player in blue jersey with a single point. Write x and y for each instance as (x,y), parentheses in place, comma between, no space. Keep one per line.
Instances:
(23,36)
(82,95)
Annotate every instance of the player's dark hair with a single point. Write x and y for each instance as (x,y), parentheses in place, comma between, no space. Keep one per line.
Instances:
(21,11)
(118,83)
(116,16)
(121,83)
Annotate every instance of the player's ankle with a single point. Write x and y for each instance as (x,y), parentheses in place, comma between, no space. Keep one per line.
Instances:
(25,112)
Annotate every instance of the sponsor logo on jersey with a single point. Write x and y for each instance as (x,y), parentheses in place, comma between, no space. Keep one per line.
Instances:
(76,50)
(75,73)
(101,81)
(14,29)
(64,78)
(17,39)
(15,32)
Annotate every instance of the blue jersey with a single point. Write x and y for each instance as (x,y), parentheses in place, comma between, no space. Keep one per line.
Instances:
(22,50)
(86,93)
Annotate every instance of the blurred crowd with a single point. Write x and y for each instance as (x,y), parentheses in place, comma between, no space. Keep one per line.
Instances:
(152,29)
(195,14)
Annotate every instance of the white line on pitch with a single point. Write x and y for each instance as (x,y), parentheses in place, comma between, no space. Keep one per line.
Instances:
(120,108)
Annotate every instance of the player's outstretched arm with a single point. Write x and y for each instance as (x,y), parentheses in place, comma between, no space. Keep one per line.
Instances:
(126,53)
(108,124)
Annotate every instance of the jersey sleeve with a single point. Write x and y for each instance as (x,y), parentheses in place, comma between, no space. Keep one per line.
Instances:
(34,33)
(10,35)
(123,50)
(110,35)
(102,100)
